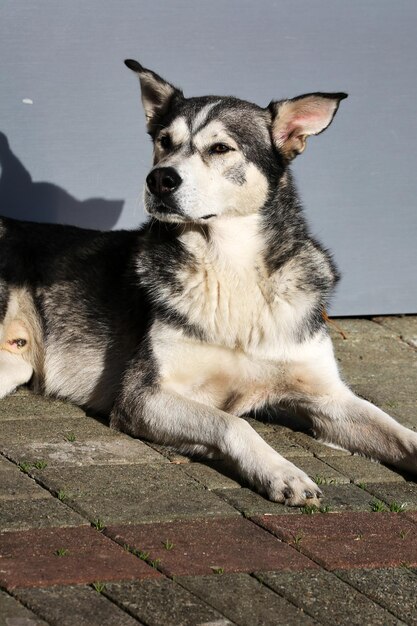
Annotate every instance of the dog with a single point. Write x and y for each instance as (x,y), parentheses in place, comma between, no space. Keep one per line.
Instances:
(210,311)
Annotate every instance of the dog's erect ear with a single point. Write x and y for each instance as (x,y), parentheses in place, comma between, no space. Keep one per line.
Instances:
(157,94)
(294,120)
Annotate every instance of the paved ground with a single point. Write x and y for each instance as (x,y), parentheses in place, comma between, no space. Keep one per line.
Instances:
(100,529)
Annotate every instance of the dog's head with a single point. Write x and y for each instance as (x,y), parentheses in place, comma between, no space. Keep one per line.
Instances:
(217,156)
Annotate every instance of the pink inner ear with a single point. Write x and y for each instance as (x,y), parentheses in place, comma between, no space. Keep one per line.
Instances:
(314,117)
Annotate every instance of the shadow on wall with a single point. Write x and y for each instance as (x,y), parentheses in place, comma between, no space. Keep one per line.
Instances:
(23,199)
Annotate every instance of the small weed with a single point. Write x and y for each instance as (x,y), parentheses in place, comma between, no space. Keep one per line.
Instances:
(377,506)
(70,437)
(142,555)
(322,480)
(298,538)
(62,495)
(405,564)
(168,545)
(403,533)
(98,524)
(24,467)
(312,509)
(99,587)
(61,552)
(40,465)
(217,570)
(362,485)
(397,507)
(309,510)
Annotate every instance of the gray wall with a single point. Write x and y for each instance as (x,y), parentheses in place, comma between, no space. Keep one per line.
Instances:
(79,153)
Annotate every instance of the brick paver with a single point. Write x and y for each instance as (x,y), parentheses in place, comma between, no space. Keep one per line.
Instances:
(74,606)
(349,540)
(57,556)
(351,563)
(163,602)
(207,546)
(246,601)
(13,613)
(327,598)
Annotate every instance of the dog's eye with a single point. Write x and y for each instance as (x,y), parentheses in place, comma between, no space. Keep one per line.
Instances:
(165,142)
(219,148)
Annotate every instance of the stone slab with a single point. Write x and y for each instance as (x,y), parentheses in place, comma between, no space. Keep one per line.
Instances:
(404,493)
(37,513)
(30,406)
(250,503)
(360,470)
(285,445)
(133,493)
(74,605)
(245,600)
(346,498)
(30,559)
(323,473)
(202,546)
(15,485)
(102,450)
(394,589)
(163,602)
(53,430)
(404,326)
(211,476)
(12,613)
(327,598)
(315,447)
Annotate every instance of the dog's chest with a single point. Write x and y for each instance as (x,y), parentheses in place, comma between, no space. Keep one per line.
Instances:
(243,309)
(212,374)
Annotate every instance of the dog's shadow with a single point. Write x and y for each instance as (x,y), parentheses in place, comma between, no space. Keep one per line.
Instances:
(22,198)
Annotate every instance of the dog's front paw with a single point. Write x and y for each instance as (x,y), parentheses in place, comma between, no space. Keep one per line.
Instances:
(289,485)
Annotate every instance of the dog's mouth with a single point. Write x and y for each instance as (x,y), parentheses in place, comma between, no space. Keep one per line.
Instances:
(167,212)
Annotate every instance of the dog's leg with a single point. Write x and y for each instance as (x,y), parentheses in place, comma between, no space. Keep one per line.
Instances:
(14,371)
(341,418)
(171,419)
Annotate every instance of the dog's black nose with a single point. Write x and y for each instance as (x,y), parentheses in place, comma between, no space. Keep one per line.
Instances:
(163,181)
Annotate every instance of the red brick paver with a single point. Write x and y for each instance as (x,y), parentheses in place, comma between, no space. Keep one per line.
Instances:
(58,556)
(204,546)
(346,540)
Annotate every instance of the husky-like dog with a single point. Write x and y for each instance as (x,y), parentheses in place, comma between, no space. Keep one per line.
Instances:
(212,310)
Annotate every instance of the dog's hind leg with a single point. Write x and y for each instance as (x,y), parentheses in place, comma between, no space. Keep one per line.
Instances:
(341,418)
(171,419)
(15,367)
(14,371)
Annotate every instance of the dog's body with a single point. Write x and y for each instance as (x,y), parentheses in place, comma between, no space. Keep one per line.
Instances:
(212,310)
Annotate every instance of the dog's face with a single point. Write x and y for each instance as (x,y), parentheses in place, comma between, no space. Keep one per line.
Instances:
(220,156)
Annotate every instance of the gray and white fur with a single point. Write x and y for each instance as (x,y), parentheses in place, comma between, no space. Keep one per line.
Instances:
(211,311)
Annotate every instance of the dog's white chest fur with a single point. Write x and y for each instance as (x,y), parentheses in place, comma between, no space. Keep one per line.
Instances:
(228,293)
(249,320)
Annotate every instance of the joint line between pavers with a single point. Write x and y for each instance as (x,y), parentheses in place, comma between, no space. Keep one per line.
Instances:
(400,339)
(258,577)
(27,605)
